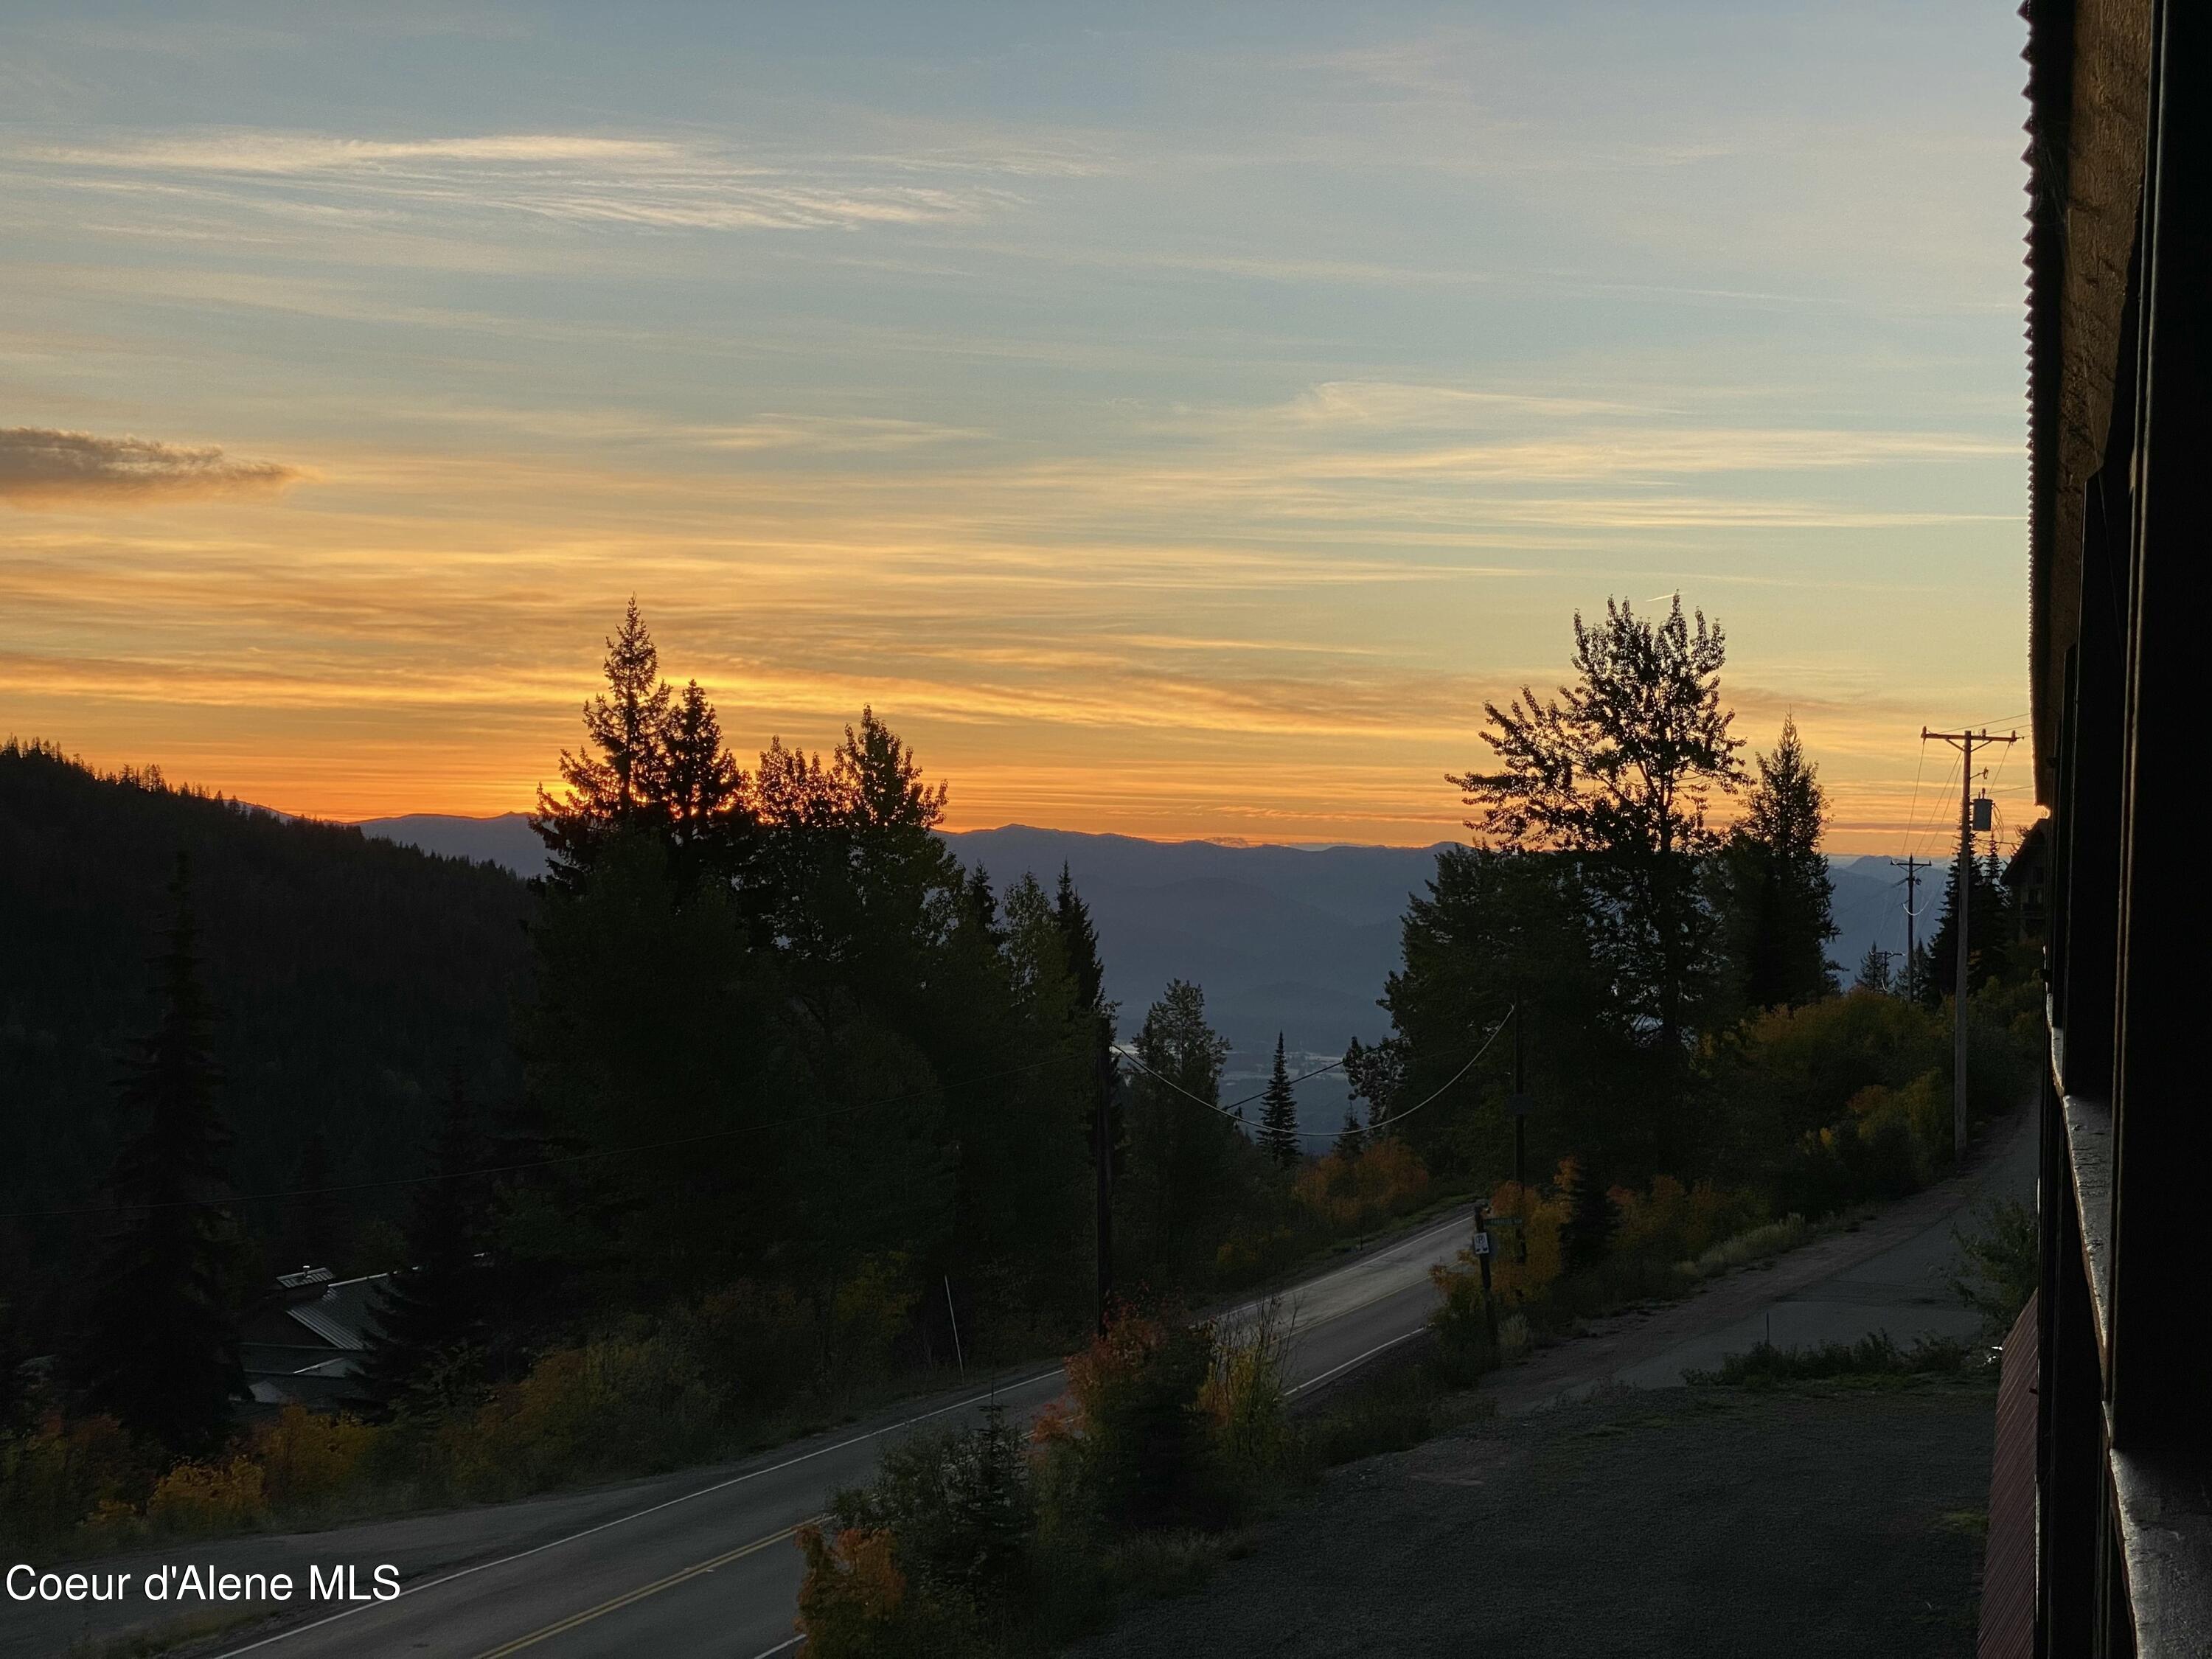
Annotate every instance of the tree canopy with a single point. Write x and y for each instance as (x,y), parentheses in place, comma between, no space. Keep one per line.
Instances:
(1619,770)
(1777,892)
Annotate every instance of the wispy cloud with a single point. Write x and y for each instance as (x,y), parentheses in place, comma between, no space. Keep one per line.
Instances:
(577,178)
(256,151)
(829,434)
(42,467)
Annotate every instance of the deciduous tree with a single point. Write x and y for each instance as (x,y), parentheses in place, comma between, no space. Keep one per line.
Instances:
(1620,771)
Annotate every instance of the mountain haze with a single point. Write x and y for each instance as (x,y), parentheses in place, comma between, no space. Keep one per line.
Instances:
(1294,939)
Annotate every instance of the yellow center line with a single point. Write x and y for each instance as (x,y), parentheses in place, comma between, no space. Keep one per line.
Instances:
(641,1593)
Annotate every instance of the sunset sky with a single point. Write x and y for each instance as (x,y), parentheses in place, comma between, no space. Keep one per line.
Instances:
(1173,419)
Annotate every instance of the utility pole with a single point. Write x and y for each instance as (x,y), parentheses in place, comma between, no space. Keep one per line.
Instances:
(1102,1155)
(1913,867)
(1962,905)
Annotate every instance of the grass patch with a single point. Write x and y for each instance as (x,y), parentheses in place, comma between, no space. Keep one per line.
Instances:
(1395,1409)
(1967,1523)
(1758,1246)
(1871,1359)
(168,1636)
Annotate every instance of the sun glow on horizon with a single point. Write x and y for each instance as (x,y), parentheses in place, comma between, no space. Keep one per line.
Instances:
(1184,441)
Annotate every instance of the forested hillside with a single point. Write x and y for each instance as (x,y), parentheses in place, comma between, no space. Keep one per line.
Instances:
(350,977)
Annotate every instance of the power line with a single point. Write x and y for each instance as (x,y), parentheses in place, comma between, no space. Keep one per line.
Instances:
(1912,812)
(1229,1111)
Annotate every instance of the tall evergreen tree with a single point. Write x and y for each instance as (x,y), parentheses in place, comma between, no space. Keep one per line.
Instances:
(1592,1220)
(615,779)
(980,908)
(160,1350)
(1079,936)
(1993,936)
(433,1311)
(1874,973)
(1279,1114)
(701,789)
(1079,949)
(1776,890)
(1182,1151)
(1351,1141)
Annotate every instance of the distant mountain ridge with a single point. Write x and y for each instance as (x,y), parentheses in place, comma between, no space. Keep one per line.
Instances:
(1295,939)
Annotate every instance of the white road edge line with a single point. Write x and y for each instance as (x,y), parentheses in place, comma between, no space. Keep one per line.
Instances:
(787,1642)
(1312,1381)
(651,1509)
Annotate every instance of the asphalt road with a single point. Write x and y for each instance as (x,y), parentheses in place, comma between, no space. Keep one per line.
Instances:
(697,1563)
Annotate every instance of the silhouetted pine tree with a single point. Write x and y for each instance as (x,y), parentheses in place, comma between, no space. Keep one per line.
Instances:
(1079,936)
(1278,1113)
(1875,970)
(616,777)
(1079,939)
(433,1309)
(1992,940)
(701,789)
(1591,1219)
(1349,1139)
(160,1347)
(980,905)
(1778,893)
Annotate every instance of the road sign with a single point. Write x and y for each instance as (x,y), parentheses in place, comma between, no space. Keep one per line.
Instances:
(1481,1244)
(1520,1105)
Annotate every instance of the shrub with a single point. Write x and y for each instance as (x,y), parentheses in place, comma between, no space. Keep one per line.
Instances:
(761,1342)
(609,1405)
(1674,1222)
(1464,1322)
(195,1499)
(59,1472)
(1348,1195)
(1527,1224)
(866,1315)
(1135,1452)
(1792,1071)
(2003,1265)
(1244,1403)
(1250,1252)
(853,1603)
(306,1458)
(937,1545)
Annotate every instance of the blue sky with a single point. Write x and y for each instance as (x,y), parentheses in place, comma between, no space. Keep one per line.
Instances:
(1175,420)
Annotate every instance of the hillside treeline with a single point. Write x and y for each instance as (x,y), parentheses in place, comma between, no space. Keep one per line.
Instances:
(352,980)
